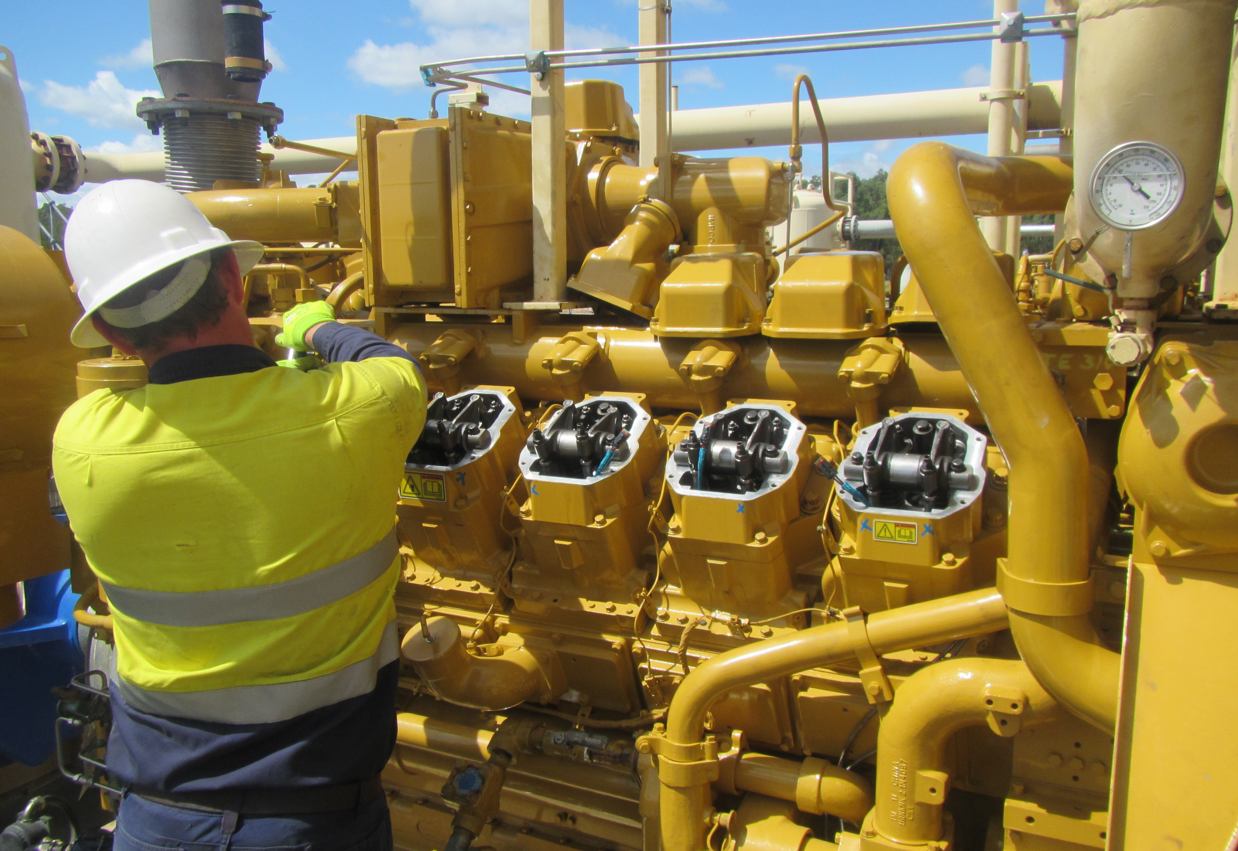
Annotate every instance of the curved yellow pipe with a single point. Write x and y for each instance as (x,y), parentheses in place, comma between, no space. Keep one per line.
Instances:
(685,796)
(929,707)
(439,656)
(934,192)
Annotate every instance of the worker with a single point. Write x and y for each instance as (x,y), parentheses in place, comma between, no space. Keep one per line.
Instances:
(239,517)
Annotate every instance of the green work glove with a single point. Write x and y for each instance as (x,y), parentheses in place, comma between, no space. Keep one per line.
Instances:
(299,320)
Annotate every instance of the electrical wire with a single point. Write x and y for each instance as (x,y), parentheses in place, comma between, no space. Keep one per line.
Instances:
(855,734)
(654,512)
(864,757)
(951,651)
(502,577)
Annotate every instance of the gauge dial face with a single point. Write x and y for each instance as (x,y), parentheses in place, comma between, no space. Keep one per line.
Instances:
(1137,185)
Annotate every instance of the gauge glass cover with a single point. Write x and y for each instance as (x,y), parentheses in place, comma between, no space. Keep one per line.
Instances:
(1137,185)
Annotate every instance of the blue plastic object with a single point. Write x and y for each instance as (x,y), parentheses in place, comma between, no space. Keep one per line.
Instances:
(37,654)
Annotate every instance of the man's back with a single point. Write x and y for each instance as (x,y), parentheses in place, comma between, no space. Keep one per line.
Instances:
(240,519)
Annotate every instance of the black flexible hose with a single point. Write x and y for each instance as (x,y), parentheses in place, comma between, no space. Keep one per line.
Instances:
(461,839)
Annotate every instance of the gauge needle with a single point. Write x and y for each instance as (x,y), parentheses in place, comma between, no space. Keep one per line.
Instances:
(1137,187)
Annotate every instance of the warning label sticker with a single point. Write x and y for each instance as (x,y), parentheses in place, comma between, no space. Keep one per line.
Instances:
(895,532)
(428,486)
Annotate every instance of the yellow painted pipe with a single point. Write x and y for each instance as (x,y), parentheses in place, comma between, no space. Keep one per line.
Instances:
(271,215)
(462,742)
(814,785)
(684,806)
(929,707)
(345,288)
(827,191)
(935,190)
(633,360)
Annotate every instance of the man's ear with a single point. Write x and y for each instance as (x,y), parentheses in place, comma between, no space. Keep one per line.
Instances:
(110,335)
(230,276)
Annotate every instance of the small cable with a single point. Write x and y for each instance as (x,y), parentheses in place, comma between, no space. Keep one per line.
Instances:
(855,734)
(828,612)
(864,757)
(826,468)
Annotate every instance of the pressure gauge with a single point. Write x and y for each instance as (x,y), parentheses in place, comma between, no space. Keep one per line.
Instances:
(1137,185)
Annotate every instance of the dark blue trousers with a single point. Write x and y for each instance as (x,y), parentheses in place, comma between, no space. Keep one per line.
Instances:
(144,825)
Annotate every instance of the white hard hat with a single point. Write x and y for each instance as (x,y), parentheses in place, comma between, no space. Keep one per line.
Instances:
(127,230)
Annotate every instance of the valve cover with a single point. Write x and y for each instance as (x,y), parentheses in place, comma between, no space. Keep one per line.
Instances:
(460,428)
(924,463)
(745,449)
(586,440)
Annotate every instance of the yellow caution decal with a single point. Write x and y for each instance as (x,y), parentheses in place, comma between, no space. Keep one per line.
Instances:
(895,532)
(425,486)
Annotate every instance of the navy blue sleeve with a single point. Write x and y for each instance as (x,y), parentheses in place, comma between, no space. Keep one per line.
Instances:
(337,342)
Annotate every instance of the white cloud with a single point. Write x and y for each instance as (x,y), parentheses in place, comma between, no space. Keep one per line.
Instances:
(883,145)
(141,56)
(273,56)
(976,75)
(392,66)
(789,72)
(462,28)
(577,37)
(699,75)
(867,164)
(499,14)
(103,102)
(142,143)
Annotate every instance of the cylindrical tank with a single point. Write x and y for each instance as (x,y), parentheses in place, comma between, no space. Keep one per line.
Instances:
(1154,71)
(37,363)
(808,209)
(17,208)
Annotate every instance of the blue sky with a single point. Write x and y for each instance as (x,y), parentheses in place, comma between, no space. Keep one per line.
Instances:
(83,73)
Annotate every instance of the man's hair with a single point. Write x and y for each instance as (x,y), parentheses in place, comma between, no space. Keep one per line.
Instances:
(204,308)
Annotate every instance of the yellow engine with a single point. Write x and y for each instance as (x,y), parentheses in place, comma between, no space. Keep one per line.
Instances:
(731,545)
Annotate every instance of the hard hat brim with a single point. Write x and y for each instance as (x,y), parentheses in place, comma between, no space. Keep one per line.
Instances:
(248,254)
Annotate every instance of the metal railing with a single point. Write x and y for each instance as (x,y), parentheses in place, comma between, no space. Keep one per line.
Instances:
(1008,29)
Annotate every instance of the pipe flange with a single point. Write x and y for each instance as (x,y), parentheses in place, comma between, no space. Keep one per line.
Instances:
(155,111)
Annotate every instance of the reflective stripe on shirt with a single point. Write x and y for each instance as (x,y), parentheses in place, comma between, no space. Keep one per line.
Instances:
(261,704)
(257,602)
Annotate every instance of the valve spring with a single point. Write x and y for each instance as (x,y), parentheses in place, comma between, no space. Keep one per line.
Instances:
(201,149)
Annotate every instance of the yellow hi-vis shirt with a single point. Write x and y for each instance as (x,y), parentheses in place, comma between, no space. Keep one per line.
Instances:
(242,527)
